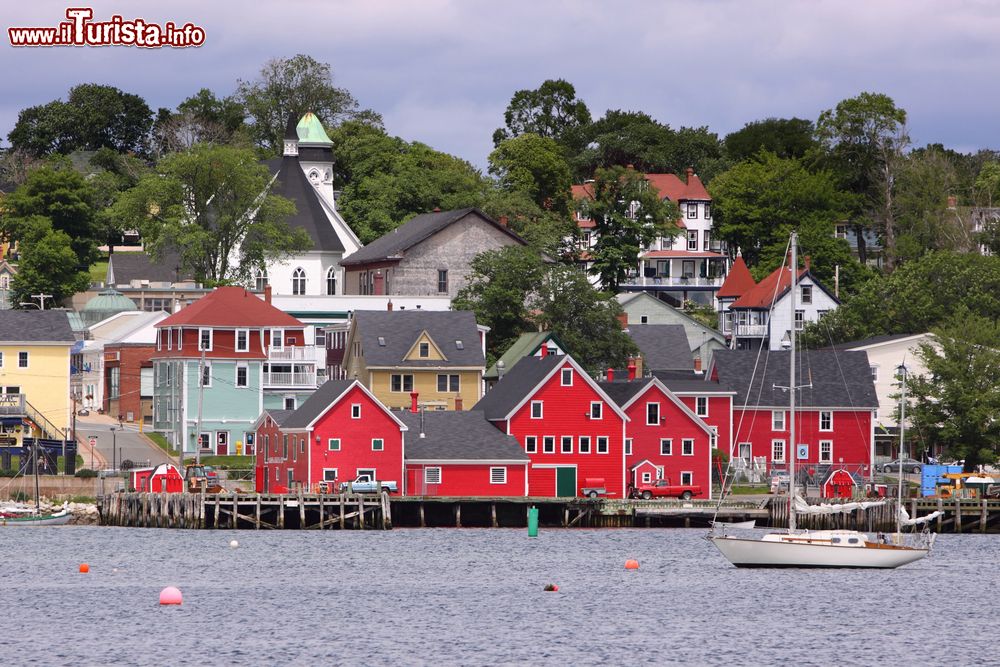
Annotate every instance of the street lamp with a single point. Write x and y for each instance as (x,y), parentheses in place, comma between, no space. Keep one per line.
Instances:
(114,449)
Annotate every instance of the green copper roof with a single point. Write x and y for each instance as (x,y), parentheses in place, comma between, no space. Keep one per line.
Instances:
(110,301)
(311,131)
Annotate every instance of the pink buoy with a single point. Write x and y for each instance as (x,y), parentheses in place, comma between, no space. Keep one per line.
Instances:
(170,595)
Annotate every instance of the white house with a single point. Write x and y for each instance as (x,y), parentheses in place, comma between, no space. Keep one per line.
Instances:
(127,327)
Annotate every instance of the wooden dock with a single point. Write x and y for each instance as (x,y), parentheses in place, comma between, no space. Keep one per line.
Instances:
(960,515)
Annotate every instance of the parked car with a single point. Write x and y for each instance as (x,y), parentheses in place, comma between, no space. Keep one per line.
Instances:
(662,488)
(908,465)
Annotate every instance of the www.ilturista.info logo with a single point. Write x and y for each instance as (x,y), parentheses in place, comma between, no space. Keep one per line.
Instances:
(80,30)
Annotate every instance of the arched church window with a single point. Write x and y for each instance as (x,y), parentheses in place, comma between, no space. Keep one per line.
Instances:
(331,281)
(298,281)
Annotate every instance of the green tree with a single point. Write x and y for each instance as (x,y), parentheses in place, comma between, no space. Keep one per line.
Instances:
(201,118)
(785,137)
(534,165)
(48,263)
(552,111)
(988,184)
(65,198)
(498,290)
(628,214)
(93,117)
(211,205)
(956,406)
(115,173)
(924,221)
(289,87)
(546,231)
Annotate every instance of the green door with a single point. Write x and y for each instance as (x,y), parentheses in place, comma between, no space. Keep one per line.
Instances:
(566,482)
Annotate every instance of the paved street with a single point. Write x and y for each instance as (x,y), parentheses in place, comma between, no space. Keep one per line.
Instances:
(128,443)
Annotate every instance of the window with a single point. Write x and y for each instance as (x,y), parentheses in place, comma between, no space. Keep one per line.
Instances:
(206,375)
(531,444)
(744,449)
(302,445)
(115,377)
(687,447)
(242,340)
(267,442)
(284,445)
(424,350)
(566,377)
(22,359)
(693,239)
(1,359)
(602,444)
(378,444)
(331,281)
(400,382)
(447,383)
(826,451)
(841,232)
(170,339)
(498,475)
(442,281)
(701,406)
(333,445)
(777,451)
(800,319)
(329,474)
(355,411)
(652,414)
(687,478)
(549,444)
(708,211)
(536,409)
(628,446)
(777,420)
(381,341)
(826,420)
(584,444)
(567,444)
(241,376)
(260,280)
(289,402)
(204,340)
(647,478)
(666,446)
(596,410)
(298,281)
(277,339)
(692,211)
(874,368)
(432,475)
(807,294)
(643,319)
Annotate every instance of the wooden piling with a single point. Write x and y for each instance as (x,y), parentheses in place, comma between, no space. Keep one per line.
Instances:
(958,515)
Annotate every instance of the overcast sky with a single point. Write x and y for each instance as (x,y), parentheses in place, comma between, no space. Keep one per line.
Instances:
(442,71)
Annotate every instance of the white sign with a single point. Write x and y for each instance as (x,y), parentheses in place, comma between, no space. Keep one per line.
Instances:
(93,440)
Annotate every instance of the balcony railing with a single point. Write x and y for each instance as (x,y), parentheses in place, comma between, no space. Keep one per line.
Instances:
(675,281)
(751,330)
(289,379)
(293,353)
(12,405)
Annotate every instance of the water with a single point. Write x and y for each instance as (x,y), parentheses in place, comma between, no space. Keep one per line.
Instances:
(474,597)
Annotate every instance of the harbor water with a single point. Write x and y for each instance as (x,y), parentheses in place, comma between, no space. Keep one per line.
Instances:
(475,597)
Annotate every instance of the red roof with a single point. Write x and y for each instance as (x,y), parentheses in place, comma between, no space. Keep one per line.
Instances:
(230,307)
(738,282)
(768,290)
(669,186)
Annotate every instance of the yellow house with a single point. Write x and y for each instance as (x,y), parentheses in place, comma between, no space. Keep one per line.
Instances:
(35,374)
(438,355)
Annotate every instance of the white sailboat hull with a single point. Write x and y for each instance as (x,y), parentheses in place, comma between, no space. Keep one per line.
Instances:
(60,518)
(767,553)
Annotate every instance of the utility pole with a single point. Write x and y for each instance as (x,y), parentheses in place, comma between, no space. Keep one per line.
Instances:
(41,299)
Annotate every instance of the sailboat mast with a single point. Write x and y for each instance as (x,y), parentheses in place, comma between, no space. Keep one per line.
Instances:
(902,429)
(34,459)
(792,449)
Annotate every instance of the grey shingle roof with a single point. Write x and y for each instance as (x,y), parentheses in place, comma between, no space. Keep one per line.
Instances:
(415,230)
(689,383)
(663,346)
(399,330)
(621,392)
(292,183)
(316,404)
(126,267)
(839,379)
(457,436)
(515,385)
(39,326)
(279,416)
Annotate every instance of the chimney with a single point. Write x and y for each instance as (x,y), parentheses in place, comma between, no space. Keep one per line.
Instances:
(503,221)
(689,172)
(413,401)
(458,403)
(388,305)
(638,366)
(623,320)
(808,261)
(611,374)
(437,209)
(630,167)
(267,294)
(952,202)
(631,369)
(544,351)
(697,363)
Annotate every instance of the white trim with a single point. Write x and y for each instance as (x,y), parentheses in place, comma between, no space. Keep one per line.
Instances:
(211,339)
(820,452)
(607,444)
(500,469)
(236,340)
(439,475)
(310,425)
(784,451)
(541,410)
(467,462)
(566,359)
(686,440)
(655,382)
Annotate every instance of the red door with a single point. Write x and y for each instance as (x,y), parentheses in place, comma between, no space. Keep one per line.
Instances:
(222,443)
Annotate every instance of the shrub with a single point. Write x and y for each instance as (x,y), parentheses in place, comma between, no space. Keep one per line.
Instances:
(86,472)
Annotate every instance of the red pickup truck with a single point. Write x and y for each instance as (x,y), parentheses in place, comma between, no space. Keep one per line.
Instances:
(662,488)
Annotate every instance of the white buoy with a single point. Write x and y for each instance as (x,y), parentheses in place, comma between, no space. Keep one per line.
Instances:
(233,544)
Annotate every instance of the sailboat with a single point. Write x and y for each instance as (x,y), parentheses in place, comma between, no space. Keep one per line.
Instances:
(20,515)
(821,548)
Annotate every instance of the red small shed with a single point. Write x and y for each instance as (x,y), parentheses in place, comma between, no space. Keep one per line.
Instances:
(164,478)
(838,484)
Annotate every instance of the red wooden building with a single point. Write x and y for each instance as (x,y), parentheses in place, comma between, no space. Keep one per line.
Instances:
(835,403)
(270,455)
(163,478)
(838,484)
(568,426)
(461,454)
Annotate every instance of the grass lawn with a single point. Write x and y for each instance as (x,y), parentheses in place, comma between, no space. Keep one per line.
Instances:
(99,271)
(747,490)
(228,462)
(161,442)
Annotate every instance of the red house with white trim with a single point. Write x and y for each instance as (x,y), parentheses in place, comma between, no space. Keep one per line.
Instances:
(835,402)
(571,430)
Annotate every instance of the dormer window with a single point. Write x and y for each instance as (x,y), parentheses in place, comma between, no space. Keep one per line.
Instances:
(459,345)
(424,350)
(381,341)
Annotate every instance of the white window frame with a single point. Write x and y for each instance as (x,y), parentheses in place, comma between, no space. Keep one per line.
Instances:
(784,451)
(498,474)
(701,406)
(432,475)
(583,444)
(424,350)
(687,447)
(692,210)
(201,339)
(566,377)
(355,411)
(653,421)
(805,294)
(603,444)
(531,444)
(628,446)
(566,444)
(24,354)
(381,444)
(206,374)
(246,379)
(829,415)
(875,369)
(541,410)
(548,444)
(827,456)
(246,340)
(647,477)
(333,444)
(667,450)
(170,339)
(744,446)
(687,478)
(800,320)
(277,339)
(692,241)
(326,478)
(775,425)
(599,410)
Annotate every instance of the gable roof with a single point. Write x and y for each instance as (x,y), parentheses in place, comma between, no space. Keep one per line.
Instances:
(323,399)
(393,246)
(388,335)
(230,307)
(738,282)
(628,391)
(457,436)
(838,379)
(124,267)
(35,326)
(291,182)
(876,340)
(663,346)
(525,345)
(670,186)
(690,382)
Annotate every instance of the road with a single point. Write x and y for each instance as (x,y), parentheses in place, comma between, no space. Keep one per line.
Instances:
(127,444)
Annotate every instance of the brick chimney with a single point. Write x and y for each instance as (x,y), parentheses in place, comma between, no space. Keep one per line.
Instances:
(267,294)
(503,221)
(437,209)
(544,351)
(638,366)
(388,305)
(808,261)
(623,320)
(413,401)
(458,403)
(631,369)
(689,172)
(697,364)
(611,374)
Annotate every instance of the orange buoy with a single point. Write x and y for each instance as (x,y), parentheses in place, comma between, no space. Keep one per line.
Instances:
(84,568)
(170,595)
(551,588)
(631,564)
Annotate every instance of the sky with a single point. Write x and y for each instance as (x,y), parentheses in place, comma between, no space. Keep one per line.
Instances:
(443,71)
